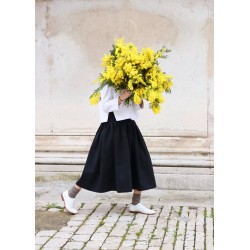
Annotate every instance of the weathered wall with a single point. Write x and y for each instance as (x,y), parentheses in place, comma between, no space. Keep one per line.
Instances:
(71,38)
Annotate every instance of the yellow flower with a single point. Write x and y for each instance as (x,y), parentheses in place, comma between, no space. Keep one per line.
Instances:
(96,80)
(106,60)
(148,53)
(120,61)
(127,68)
(119,76)
(95,98)
(159,54)
(142,92)
(139,72)
(156,109)
(137,99)
(154,84)
(130,85)
(160,98)
(152,95)
(170,77)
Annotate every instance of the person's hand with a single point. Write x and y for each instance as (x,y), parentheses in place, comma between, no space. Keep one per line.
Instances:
(125,94)
(141,104)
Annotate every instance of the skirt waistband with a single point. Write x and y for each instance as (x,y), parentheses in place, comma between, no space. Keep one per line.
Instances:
(111,118)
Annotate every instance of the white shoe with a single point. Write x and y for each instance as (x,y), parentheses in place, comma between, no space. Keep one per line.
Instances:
(69,202)
(140,208)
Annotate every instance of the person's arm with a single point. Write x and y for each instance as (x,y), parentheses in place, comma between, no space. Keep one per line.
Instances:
(139,106)
(109,103)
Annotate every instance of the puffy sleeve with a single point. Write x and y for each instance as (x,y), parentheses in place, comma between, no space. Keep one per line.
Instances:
(109,103)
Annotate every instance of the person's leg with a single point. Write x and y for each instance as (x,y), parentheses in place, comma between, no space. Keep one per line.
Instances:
(136,206)
(74,191)
(136,197)
(68,197)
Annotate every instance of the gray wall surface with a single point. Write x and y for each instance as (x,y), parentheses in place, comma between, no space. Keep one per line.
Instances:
(71,39)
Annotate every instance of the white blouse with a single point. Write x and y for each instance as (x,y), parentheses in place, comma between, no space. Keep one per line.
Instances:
(109,103)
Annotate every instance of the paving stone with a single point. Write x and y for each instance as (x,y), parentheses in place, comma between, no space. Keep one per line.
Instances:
(141,242)
(199,246)
(190,225)
(189,243)
(110,246)
(99,236)
(55,242)
(155,243)
(103,229)
(85,212)
(92,221)
(86,229)
(131,236)
(94,243)
(41,240)
(179,242)
(81,237)
(123,248)
(156,232)
(113,239)
(126,218)
(189,238)
(117,232)
(165,246)
(51,248)
(128,243)
(68,229)
(149,225)
(139,246)
(108,224)
(89,206)
(64,235)
(122,226)
(199,234)
(73,245)
(46,233)
(111,219)
(80,217)
(209,247)
(74,223)
(209,239)
(178,247)
(199,228)
(169,238)
(144,237)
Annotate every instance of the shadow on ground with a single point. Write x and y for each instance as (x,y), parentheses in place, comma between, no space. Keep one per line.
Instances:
(46,220)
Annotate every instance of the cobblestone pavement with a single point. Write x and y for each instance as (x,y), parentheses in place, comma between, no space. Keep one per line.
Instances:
(111,226)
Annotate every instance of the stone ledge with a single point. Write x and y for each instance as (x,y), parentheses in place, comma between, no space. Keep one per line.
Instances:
(199,179)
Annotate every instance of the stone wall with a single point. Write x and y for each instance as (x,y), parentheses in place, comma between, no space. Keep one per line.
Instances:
(71,38)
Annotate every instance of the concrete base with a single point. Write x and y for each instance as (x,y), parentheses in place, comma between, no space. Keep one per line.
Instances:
(167,178)
(45,195)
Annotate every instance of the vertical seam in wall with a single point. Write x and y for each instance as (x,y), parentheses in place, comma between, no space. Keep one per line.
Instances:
(125,15)
(208,97)
(208,131)
(46,33)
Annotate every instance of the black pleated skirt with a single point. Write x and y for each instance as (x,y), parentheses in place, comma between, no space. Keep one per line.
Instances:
(118,159)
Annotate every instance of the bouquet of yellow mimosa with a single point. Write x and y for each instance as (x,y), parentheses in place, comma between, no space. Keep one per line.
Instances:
(139,72)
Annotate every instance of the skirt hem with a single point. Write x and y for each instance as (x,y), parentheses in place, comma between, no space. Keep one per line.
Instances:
(118,191)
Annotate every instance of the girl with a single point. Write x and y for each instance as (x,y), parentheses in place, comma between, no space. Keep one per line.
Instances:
(118,159)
